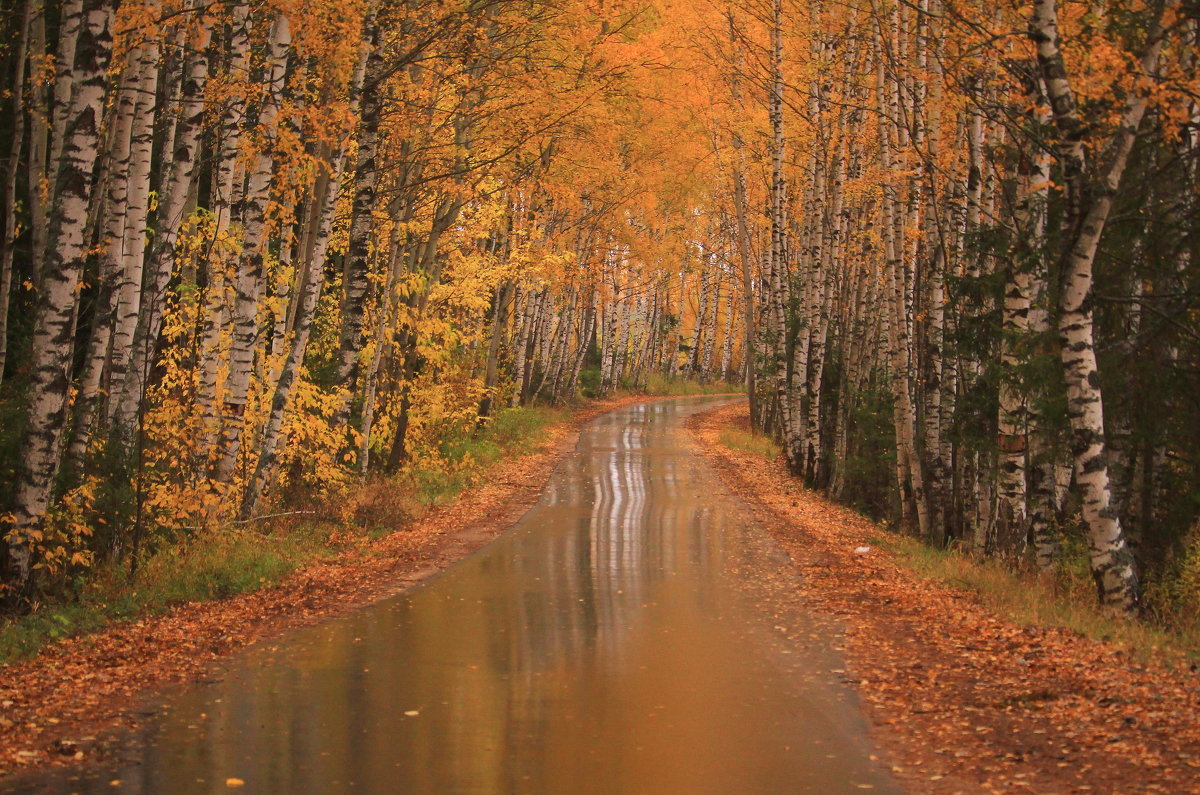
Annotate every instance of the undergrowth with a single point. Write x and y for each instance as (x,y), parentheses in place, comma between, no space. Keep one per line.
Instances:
(1066,598)
(465,456)
(750,442)
(215,564)
(239,558)
(654,385)
(657,385)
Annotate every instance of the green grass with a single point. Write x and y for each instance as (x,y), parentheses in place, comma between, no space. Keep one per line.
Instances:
(510,431)
(1064,599)
(520,429)
(750,442)
(657,385)
(232,560)
(214,565)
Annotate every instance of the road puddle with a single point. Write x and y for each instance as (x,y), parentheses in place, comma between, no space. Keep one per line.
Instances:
(629,635)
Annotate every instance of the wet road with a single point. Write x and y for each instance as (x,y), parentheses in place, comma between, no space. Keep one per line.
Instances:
(630,635)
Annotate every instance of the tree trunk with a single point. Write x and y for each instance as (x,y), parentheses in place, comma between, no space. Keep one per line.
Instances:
(504,299)
(173,197)
(248,285)
(71,21)
(1090,200)
(50,359)
(778,262)
(366,180)
(133,247)
(743,232)
(226,188)
(10,180)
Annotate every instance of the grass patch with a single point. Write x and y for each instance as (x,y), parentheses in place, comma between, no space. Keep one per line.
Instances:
(233,560)
(750,442)
(467,456)
(1064,599)
(520,429)
(657,385)
(213,565)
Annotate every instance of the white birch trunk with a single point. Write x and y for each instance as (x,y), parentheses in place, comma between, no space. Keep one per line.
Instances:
(133,247)
(173,197)
(366,181)
(50,355)
(727,333)
(778,263)
(225,189)
(1090,200)
(71,23)
(248,285)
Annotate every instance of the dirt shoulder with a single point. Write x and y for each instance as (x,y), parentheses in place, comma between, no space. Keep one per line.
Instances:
(960,700)
(60,706)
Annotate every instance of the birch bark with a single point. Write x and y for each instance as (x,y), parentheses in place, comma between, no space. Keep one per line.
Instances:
(50,356)
(778,262)
(366,181)
(1090,194)
(225,188)
(133,246)
(248,284)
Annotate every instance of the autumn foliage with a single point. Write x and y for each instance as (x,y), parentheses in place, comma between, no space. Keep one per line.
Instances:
(255,253)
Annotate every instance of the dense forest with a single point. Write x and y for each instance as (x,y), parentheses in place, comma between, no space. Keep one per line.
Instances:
(253,251)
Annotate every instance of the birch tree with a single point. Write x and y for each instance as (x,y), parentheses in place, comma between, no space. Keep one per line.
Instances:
(46,402)
(1090,191)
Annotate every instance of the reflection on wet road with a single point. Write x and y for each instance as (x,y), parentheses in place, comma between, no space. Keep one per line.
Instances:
(614,641)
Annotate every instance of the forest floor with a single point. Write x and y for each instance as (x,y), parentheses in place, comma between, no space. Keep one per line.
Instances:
(962,699)
(77,695)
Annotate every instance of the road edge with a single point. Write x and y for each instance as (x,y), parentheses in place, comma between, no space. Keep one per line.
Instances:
(74,701)
(957,698)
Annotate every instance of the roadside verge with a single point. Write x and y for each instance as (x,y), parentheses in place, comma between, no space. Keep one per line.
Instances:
(61,705)
(962,700)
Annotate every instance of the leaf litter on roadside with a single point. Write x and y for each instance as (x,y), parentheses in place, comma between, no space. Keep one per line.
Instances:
(961,699)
